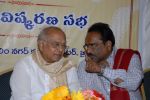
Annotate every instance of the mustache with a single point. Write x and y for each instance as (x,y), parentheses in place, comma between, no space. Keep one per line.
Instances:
(90,55)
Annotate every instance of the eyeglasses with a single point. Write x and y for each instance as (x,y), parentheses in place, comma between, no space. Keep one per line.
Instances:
(57,45)
(92,45)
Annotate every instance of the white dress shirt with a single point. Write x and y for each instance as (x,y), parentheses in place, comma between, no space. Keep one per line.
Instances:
(30,82)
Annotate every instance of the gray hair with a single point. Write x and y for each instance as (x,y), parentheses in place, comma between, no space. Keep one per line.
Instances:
(44,32)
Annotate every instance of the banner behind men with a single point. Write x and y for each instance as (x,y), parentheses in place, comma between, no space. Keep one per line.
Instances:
(21,21)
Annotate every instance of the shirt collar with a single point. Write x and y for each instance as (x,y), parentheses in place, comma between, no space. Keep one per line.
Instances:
(111,58)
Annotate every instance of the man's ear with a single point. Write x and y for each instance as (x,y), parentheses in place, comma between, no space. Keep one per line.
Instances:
(109,45)
(40,45)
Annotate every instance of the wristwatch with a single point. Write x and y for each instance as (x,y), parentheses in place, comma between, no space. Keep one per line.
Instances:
(102,70)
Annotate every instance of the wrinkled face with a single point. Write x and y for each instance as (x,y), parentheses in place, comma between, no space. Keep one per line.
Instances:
(95,48)
(52,48)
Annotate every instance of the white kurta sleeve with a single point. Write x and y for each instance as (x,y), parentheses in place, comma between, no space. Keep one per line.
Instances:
(72,79)
(20,82)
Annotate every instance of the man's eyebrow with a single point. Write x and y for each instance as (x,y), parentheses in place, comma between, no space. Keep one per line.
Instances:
(90,43)
(59,42)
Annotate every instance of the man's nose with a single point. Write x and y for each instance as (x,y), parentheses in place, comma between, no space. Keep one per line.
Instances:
(60,48)
(89,50)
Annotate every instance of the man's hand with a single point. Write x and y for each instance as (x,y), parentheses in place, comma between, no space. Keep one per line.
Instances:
(93,67)
(118,81)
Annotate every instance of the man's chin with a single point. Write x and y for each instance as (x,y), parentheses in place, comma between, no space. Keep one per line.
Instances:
(57,59)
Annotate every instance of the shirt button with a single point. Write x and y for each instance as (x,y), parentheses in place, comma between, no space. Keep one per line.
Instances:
(108,90)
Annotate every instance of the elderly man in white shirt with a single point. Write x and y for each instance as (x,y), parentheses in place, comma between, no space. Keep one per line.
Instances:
(45,69)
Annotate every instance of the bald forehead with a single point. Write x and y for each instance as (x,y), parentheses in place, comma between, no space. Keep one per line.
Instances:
(49,32)
(53,30)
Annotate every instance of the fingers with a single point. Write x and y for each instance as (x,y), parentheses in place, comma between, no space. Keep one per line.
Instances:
(92,67)
(87,59)
(118,81)
(89,65)
(105,62)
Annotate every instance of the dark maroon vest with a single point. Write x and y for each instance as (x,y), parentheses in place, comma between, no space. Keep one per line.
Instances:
(122,60)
